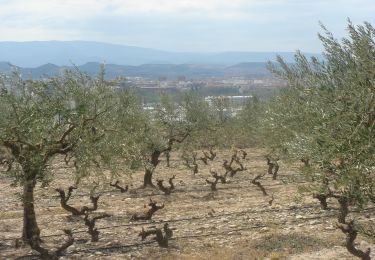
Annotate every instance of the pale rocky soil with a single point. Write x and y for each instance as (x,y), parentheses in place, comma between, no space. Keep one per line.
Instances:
(236,222)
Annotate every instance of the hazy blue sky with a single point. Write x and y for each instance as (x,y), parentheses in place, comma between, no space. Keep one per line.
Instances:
(183,25)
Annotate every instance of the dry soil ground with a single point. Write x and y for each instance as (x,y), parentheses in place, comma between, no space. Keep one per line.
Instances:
(235,222)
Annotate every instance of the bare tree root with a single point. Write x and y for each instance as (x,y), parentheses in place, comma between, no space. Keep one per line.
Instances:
(76,212)
(117,186)
(45,254)
(166,190)
(147,215)
(256,182)
(159,237)
(90,223)
(350,230)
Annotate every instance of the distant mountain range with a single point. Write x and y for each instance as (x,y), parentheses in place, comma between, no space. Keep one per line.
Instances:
(67,53)
(150,71)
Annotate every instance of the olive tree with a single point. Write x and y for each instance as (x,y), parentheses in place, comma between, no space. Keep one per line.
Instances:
(171,123)
(248,122)
(41,119)
(327,115)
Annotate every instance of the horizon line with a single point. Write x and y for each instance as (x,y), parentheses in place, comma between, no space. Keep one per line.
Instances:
(162,50)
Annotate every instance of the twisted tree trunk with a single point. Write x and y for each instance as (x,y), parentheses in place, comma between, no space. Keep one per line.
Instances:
(31,231)
(154,160)
(147,179)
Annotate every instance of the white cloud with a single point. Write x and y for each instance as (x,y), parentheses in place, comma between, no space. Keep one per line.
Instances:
(167,24)
(63,19)
(45,9)
(38,33)
(84,9)
(179,6)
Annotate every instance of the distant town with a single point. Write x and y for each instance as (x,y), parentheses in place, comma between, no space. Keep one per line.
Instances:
(231,86)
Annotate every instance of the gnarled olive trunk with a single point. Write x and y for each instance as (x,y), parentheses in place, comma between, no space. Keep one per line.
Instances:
(31,231)
(147,180)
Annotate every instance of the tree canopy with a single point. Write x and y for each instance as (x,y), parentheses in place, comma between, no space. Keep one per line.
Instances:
(327,113)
